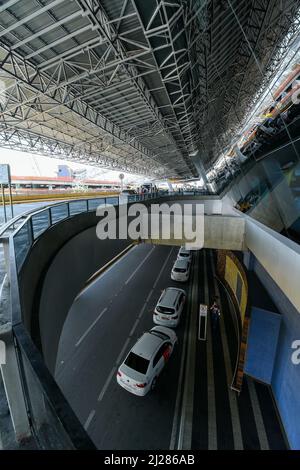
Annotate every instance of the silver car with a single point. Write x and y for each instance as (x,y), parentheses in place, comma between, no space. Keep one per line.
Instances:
(169,307)
(139,372)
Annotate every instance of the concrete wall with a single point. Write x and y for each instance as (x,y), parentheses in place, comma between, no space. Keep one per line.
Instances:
(217,231)
(278,209)
(75,262)
(285,379)
(250,177)
(60,262)
(212,204)
(224,232)
(279,256)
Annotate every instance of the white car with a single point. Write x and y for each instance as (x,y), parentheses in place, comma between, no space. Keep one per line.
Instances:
(183,253)
(181,270)
(139,372)
(169,307)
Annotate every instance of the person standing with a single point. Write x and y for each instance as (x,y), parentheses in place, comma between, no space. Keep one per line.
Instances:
(215,315)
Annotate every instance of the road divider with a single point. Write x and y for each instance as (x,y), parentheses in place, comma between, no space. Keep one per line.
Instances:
(187,409)
(125,346)
(177,427)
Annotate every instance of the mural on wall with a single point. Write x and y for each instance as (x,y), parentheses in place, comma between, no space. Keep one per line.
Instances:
(234,277)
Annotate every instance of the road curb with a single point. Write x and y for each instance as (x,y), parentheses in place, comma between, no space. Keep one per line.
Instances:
(106,266)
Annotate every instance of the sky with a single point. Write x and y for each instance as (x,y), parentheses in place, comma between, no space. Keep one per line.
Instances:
(26,164)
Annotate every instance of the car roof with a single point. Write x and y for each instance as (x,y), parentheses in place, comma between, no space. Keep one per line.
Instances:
(147,345)
(181,263)
(184,250)
(169,296)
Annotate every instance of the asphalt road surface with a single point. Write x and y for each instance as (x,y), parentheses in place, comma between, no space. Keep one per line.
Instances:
(104,322)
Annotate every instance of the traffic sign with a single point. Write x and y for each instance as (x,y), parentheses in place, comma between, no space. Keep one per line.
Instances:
(4,173)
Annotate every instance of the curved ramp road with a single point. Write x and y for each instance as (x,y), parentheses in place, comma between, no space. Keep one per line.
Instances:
(104,322)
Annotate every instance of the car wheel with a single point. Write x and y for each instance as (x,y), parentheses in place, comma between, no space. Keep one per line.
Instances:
(153,383)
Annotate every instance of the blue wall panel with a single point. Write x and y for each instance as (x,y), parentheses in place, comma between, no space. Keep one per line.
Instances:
(286,378)
(262,344)
(286,375)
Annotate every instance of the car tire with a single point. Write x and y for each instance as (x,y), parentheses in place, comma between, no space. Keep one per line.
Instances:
(153,384)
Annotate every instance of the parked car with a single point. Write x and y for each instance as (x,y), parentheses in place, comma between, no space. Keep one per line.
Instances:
(169,307)
(181,270)
(139,371)
(183,253)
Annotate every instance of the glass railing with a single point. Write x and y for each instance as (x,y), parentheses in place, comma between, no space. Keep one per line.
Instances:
(36,223)
(53,422)
(275,201)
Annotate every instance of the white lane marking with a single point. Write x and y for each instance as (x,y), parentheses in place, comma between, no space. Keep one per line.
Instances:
(163,267)
(260,427)
(134,326)
(142,311)
(89,419)
(105,271)
(149,295)
(233,404)
(123,351)
(113,371)
(211,394)
(90,327)
(2,285)
(187,406)
(180,380)
(139,266)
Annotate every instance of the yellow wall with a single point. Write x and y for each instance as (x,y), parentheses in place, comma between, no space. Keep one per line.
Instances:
(231,275)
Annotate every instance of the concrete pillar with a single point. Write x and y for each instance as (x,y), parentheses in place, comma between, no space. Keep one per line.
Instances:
(281,193)
(196,158)
(12,383)
(242,158)
(248,260)
(5,244)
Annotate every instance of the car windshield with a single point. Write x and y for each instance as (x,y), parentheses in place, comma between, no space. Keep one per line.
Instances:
(168,310)
(184,254)
(160,334)
(138,363)
(179,270)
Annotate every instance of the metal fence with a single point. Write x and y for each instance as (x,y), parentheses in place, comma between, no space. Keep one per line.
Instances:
(52,421)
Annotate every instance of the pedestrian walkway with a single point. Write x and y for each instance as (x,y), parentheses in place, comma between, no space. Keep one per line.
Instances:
(223,419)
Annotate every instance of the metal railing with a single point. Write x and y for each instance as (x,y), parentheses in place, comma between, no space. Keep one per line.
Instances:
(27,227)
(52,421)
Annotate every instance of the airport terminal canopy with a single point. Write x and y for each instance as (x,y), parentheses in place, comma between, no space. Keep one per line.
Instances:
(144,86)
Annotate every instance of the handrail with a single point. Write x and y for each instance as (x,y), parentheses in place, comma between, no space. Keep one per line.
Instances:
(133,198)
(29,359)
(11,222)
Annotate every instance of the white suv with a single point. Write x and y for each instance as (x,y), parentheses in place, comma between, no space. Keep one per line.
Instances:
(181,270)
(183,253)
(169,308)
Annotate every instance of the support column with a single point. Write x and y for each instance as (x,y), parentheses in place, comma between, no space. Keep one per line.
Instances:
(12,383)
(248,260)
(196,158)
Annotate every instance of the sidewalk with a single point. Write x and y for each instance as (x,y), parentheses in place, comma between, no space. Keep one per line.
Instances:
(223,420)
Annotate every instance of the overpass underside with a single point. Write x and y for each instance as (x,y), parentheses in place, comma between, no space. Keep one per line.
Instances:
(211,231)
